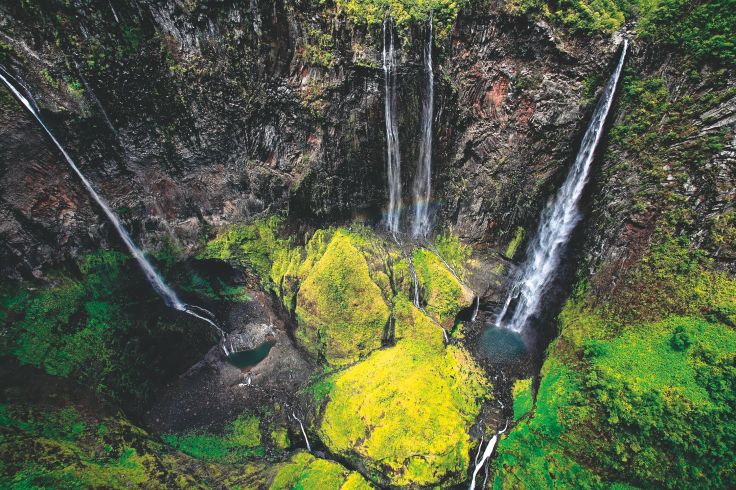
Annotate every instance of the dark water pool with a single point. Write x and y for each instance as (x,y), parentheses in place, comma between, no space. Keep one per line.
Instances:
(249,358)
(501,345)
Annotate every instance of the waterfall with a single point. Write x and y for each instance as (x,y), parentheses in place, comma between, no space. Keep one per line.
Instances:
(486,454)
(304,433)
(393,158)
(167,294)
(423,178)
(557,221)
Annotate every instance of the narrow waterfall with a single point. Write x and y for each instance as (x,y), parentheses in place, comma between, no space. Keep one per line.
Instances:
(423,178)
(304,433)
(479,462)
(162,289)
(557,222)
(393,158)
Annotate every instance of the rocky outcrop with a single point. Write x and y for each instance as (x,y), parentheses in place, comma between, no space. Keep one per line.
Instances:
(189,116)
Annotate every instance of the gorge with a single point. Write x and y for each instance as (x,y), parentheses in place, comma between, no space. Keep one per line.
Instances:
(432,244)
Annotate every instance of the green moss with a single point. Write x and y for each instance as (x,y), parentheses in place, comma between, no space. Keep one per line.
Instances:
(589,16)
(404,412)
(523,397)
(445,296)
(403,12)
(280,438)
(454,252)
(534,455)
(305,472)
(673,278)
(240,441)
(513,245)
(255,245)
(340,310)
(648,402)
(44,446)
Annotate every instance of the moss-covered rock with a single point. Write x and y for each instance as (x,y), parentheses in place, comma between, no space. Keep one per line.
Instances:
(340,310)
(405,411)
(304,471)
(445,296)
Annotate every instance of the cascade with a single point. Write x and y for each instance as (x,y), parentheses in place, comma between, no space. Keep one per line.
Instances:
(557,222)
(304,433)
(486,454)
(162,289)
(423,178)
(393,158)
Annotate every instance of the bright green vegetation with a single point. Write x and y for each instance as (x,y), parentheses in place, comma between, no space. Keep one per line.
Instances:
(305,472)
(75,327)
(445,296)
(454,252)
(403,12)
(633,390)
(579,15)
(255,245)
(405,411)
(318,50)
(523,397)
(79,324)
(513,245)
(703,30)
(340,310)
(673,279)
(45,446)
(240,442)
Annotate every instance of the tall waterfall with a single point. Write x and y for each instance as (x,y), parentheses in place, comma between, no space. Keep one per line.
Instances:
(557,222)
(161,288)
(423,178)
(393,158)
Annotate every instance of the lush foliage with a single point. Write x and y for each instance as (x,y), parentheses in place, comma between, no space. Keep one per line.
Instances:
(304,471)
(403,12)
(83,323)
(340,310)
(404,412)
(650,403)
(255,245)
(455,253)
(444,295)
(240,441)
(523,397)
(704,30)
(580,15)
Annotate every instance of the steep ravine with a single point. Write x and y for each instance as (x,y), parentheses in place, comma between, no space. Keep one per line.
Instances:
(243,145)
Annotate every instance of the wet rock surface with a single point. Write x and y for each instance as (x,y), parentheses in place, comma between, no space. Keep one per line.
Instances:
(213,391)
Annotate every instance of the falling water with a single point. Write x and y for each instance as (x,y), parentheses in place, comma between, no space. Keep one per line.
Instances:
(486,454)
(304,433)
(558,221)
(166,293)
(393,158)
(423,178)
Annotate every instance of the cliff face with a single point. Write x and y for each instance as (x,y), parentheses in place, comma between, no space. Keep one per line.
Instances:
(189,116)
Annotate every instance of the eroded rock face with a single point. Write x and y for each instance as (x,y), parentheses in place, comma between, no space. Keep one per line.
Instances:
(188,117)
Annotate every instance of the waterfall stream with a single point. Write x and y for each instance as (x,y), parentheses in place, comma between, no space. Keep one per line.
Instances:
(393,158)
(486,454)
(557,222)
(423,178)
(162,289)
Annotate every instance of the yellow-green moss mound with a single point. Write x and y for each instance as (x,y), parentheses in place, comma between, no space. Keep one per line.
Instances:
(405,411)
(445,296)
(340,310)
(305,472)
